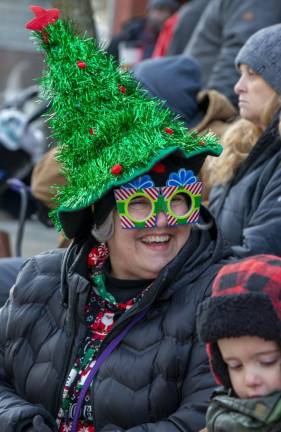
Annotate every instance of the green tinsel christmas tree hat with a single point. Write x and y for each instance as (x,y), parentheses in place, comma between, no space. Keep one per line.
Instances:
(107,128)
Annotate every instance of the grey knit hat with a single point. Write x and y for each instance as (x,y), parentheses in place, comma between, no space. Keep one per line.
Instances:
(262,52)
(173,5)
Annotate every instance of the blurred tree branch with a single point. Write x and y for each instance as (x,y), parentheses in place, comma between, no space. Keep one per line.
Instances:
(80,11)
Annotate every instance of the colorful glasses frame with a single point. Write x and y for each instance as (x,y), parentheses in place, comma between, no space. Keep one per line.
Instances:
(160,198)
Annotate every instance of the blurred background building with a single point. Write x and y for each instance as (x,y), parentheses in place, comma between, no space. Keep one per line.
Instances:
(20,65)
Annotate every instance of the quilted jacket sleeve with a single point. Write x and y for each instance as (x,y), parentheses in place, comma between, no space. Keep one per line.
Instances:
(197,389)
(15,412)
(262,233)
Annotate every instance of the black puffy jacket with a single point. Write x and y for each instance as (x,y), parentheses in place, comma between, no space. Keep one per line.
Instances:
(157,379)
(248,208)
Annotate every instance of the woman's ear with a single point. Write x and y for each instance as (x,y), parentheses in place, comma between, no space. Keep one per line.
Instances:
(104,231)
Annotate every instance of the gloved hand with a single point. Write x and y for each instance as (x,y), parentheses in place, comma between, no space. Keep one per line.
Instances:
(38,425)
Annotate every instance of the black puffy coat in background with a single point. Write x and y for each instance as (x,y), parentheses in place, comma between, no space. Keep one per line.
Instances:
(248,207)
(157,379)
(222,30)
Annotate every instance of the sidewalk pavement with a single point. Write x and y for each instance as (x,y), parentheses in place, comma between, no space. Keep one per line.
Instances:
(36,237)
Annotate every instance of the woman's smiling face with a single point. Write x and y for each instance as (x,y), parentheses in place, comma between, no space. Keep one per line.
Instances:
(143,253)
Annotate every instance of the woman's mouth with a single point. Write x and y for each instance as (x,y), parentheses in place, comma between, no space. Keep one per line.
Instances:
(156,239)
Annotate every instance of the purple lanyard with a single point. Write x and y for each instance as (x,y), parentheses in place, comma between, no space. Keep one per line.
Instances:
(108,350)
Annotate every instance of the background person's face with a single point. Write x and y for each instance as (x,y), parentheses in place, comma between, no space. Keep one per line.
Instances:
(254,93)
(254,365)
(157,16)
(142,253)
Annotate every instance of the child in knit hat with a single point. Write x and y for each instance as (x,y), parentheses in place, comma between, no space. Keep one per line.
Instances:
(241,325)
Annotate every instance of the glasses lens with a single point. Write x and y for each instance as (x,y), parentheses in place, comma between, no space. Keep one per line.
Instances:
(181,204)
(139,208)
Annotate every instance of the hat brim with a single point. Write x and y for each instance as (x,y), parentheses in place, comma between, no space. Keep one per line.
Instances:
(238,315)
(75,218)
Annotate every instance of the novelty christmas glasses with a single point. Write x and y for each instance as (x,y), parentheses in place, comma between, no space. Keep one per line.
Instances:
(139,202)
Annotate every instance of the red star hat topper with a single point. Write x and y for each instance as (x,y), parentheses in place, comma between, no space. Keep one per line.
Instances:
(43,17)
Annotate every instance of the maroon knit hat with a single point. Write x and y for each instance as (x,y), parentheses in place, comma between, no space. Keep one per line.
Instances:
(245,301)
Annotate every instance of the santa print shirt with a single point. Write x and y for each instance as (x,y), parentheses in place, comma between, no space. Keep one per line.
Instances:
(100,315)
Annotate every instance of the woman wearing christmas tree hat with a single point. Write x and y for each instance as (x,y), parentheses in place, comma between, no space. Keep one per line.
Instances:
(101,336)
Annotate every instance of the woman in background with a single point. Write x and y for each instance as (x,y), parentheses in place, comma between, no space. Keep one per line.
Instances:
(246,196)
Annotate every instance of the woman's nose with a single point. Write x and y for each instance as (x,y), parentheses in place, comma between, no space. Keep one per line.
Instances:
(239,87)
(161,219)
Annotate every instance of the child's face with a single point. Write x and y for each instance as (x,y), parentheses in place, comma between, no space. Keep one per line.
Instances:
(254,365)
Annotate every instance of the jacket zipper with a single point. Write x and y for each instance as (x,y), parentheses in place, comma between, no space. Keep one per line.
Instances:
(71,324)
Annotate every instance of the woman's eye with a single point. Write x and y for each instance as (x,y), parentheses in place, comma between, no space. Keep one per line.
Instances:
(178,199)
(138,203)
(139,208)
(251,73)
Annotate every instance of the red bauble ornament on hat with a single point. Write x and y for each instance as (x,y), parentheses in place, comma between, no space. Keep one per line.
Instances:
(117,169)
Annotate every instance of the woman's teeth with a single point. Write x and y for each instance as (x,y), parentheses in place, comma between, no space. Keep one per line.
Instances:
(156,239)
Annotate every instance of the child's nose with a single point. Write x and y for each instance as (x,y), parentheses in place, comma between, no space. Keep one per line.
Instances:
(251,378)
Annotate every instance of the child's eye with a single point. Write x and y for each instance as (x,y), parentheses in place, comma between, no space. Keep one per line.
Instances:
(270,360)
(234,366)
(268,363)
